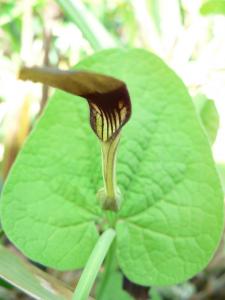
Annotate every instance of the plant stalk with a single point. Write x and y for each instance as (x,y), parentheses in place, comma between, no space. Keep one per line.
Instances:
(110,265)
(110,199)
(93,265)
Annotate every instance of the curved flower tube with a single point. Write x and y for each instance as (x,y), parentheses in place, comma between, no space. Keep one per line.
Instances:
(110,109)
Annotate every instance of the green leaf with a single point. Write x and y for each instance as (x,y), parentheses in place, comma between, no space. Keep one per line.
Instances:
(29,279)
(53,210)
(171,217)
(154,295)
(209,116)
(113,288)
(213,7)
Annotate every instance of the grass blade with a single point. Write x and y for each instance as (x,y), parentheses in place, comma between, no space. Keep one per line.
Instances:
(32,281)
(93,30)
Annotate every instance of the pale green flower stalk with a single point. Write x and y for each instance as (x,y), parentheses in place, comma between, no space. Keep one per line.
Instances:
(109,196)
(110,109)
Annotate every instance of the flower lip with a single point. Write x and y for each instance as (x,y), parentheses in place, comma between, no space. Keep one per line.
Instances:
(108,97)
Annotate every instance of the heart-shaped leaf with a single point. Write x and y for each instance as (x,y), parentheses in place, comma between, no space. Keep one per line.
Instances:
(171,216)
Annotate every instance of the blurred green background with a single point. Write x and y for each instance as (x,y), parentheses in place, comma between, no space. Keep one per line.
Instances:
(189,35)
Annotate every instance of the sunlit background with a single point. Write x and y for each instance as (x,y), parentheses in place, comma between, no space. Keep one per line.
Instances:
(188,34)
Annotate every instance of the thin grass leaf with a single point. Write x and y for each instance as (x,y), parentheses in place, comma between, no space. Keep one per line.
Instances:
(29,279)
(93,30)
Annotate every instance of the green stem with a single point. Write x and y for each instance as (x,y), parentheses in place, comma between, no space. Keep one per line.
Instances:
(93,265)
(109,267)
(109,150)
